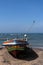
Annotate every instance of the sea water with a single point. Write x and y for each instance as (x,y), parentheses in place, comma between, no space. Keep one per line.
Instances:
(35,39)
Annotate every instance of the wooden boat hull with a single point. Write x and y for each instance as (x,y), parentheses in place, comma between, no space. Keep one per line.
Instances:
(16,50)
(16,47)
(16,53)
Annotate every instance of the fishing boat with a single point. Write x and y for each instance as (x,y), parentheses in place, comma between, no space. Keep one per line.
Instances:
(16,46)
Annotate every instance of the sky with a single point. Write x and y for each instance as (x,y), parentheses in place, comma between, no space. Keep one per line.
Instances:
(17,16)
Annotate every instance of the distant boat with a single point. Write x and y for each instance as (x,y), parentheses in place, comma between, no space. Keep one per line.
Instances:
(16,46)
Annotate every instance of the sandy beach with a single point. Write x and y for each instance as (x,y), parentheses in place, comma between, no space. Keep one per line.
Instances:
(33,57)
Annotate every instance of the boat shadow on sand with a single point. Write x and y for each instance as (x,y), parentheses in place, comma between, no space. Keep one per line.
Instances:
(27,55)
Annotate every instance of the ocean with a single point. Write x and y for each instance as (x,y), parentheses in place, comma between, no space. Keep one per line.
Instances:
(35,39)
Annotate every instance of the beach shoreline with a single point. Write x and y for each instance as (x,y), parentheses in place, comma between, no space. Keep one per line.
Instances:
(36,58)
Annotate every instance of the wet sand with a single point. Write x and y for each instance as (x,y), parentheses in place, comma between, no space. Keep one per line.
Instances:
(33,57)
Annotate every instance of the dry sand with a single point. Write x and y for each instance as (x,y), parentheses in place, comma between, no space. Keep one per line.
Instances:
(35,57)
